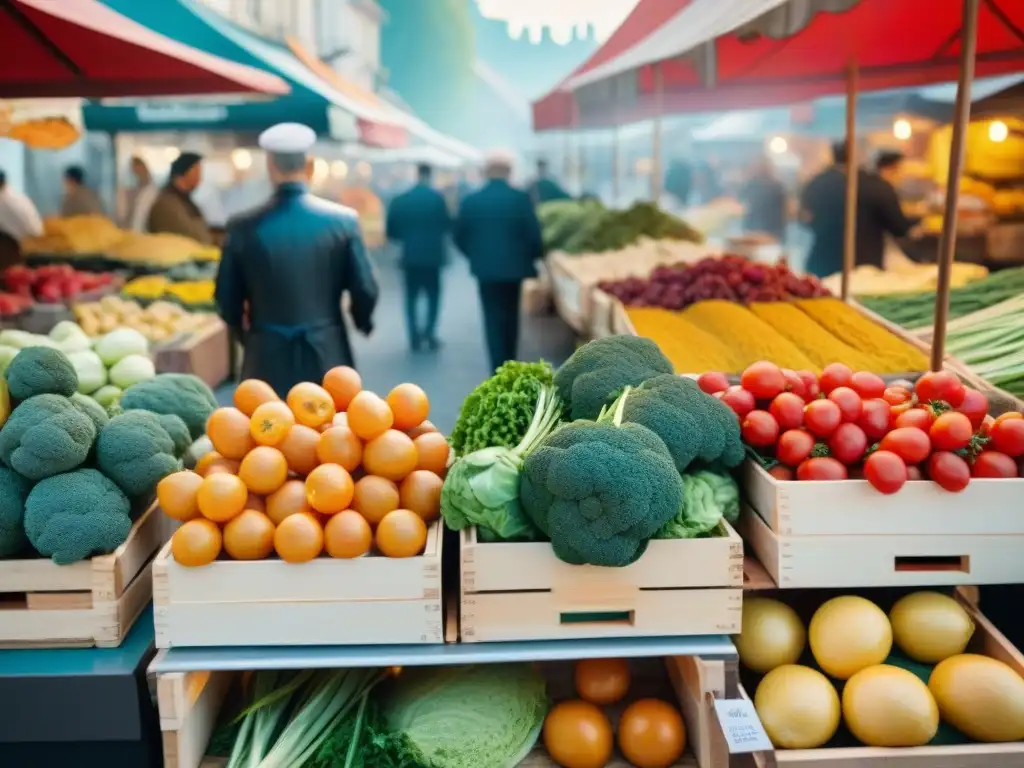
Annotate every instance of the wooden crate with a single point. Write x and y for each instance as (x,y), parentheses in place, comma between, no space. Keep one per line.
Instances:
(602,314)
(203,353)
(621,324)
(521,591)
(366,601)
(568,291)
(90,603)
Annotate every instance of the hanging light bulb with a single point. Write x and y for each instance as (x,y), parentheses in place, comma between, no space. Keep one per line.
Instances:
(339,169)
(902,129)
(998,131)
(171,154)
(778,145)
(241,159)
(320,171)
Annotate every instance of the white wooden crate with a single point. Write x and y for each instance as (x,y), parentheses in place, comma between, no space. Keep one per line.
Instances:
(570,294)
(369,600)
(522,591)
(90,603)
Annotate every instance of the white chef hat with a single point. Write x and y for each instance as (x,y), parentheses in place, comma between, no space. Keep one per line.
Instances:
(288,139)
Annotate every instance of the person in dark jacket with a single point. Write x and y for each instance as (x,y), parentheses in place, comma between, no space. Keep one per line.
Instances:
(764,198)
(498,231)
(173,211)
(544,189)
(79,199)
(418,220)
(285,268)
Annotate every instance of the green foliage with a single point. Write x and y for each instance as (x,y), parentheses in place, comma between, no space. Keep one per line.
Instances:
(179,394)
(135,451)
(46,435)
(39,371)
(708,498)
(13,491)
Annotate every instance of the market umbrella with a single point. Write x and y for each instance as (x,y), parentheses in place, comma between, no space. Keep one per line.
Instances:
(84,48)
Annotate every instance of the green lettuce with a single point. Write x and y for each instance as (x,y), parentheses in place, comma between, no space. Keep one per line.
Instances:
(708,498)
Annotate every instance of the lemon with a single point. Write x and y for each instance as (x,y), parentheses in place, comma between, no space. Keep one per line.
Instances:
(980,696)
(848,634)
(930,627)
(772,635)
(885,706)
(798,707)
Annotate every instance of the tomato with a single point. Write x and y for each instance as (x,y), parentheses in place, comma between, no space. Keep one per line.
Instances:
(788,410)
(914,473)
(602,681)
(782,473)
(821,468)
(651,734)
(994,464)
(921,418)
(811,387)
(835,375)
(849,403)
(950,431)
(741,401)
(867,384)
(974,407)
(986,426)
(794,446)
(897,395)
(874,418)
(949,471)
(1009,415)
(848,443)
(1008,437)
(886,471)
(794,383)
(821,417)
(763,380)
(940,385)
(909,443)
(760,429)
(713,382)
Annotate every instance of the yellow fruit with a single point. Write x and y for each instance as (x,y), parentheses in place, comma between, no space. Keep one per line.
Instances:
(930,626)
(847,634)
(772,635)
(798,707)
(885,706)
(980,696)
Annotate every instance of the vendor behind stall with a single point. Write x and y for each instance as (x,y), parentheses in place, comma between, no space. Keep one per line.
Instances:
(174,211)
(79,199)
(764,201)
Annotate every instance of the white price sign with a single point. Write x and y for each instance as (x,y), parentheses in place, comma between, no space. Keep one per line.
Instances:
(741,726)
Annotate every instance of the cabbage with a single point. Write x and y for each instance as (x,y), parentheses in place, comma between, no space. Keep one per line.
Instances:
(132,370)
(120,343)
(108,395)
(708,498)
(92,373)
(70,337)
(24,339)
(6,355)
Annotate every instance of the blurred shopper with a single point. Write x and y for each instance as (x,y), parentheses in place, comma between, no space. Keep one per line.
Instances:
(79,200)
(286,267)
(174,211)
(679,181)
(419,222)
(498,231)
(544,189)
(140,197)
(764,198)
(18,219)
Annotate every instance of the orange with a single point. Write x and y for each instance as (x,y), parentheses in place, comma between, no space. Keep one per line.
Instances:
(299,449)
(221,496)
(263,470)
(228,429)
(197,542)
(391,455)
(289,499)
(432,452)
(347,534)
(339,445)
(343,383)
(255,502)
(250,536)
(421,429)
(409,404)
(329,489)
(205,461)
(271,423)
(369,416)
(401,534)
(373,497)
(299,539)
(228,466)
(420,492)
(177,493)
(251,394)
(311,404)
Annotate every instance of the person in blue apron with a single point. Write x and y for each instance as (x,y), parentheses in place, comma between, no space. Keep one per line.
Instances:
(285,268)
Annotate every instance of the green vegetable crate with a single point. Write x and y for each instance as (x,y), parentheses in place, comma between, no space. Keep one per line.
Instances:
(90,603)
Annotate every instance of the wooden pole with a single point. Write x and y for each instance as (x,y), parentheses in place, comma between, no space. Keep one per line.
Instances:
(852,174)
(657,163)
(961,117)
(615,143)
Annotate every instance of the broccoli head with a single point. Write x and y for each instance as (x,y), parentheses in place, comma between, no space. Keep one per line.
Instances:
(77,515)
(135,451)
(600,491)
(598,372)
(178,431)
(92,409)
(46,435)
(13,491)
(178,394)
(40,371)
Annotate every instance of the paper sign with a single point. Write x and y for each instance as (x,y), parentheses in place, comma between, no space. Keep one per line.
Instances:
(741,726)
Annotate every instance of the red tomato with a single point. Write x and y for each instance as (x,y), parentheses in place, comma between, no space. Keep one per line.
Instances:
(949,471)
(921,418)
(811,387)
(874,418)
(741,401)
(821,417)
(896,395)
(794,446)
(1009,415)
(1008,437)
(821,468)
(763,380)
(713,382)
(835,375)
(782,472)
(914,473)
(886,471)
(849,403)
(994,464)
(867,384)
(760,429)
(848,443)
(974,407)
(950,431)
(909,443)
(788,410)
(940,385)
(794,383)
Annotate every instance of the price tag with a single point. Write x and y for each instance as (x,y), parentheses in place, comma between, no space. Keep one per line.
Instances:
(741,726)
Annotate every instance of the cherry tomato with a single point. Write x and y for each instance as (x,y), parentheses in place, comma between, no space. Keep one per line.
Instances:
(763,380)
(821,417)
(886,471)
(974,407)
(921,418)
(794,383)
(994,464)
(940,385)
(835,375)
(760,429)
(782,473)
(821,468)
(914,472)
(1009,415)
(788,410)
(867,384)
(794,446)
(909,443)
(713,382)
(848,443)
(949,471)
(1008,437)
(811,387)
(950,431)
(986,426)
(741,401)
(849,403)
(874,418)
(897,395)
